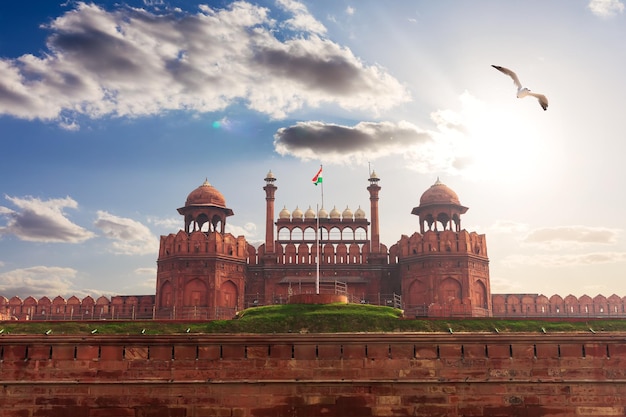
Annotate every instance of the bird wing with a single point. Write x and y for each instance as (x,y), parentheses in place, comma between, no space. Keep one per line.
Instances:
(510,74)
(543,100)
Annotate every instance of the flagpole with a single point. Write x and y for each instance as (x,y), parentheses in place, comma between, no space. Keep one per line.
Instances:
(322,189)
(317,243)
(318,179)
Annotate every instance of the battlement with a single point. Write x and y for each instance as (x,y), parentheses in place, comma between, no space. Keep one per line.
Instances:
(367,374)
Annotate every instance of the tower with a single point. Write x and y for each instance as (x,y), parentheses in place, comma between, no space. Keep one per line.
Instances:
(201,269)
(444,269)
(270,191)
(374,188)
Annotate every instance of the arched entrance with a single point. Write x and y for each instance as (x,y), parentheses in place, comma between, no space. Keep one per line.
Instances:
(165,295)
(228,295)
(195,294)
(449,291)
(417,300)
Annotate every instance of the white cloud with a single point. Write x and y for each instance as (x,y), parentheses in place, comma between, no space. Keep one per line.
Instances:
(39,281)
(508,226)
(350,10)
(566,260)
(302,20)
(131,62)
(249,229)
(503,286)
(146,271)
(606,8)
(568,236)
(43,220)
(129,236)
(169,224)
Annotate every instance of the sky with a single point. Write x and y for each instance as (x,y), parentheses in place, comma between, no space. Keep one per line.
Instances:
(112,112)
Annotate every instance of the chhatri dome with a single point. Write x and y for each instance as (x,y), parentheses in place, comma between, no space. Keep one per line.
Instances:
(206,195)
(439,193)
(439,205)
(205,210)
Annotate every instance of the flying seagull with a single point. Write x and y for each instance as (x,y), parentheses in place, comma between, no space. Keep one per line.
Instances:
(523,91)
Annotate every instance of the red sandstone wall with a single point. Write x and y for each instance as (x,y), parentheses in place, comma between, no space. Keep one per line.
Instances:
(314,375)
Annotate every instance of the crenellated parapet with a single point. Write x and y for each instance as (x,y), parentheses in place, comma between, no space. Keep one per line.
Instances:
(446,241)
(202,243)
(539,305)
(75,308)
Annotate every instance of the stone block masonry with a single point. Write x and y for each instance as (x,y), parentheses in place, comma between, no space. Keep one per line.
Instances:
(314,375)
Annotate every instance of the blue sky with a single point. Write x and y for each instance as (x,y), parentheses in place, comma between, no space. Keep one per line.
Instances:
(111,113)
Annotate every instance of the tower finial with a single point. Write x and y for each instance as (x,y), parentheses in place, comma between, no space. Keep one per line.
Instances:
(270,178)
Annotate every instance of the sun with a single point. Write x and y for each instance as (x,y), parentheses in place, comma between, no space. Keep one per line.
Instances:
(499,143)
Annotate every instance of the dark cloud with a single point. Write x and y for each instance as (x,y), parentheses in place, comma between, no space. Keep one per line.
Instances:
(98,52)
(337,143)
(334,74)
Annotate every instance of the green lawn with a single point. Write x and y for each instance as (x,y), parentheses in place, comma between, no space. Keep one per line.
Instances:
(301,318)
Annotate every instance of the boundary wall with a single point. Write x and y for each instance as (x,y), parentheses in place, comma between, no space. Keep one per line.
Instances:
(404,374)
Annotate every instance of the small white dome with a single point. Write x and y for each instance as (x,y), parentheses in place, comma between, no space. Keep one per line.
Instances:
(334,213)
(309,213)
(359,214)
(323,214)
(297,213)
(284,214)
(347,214)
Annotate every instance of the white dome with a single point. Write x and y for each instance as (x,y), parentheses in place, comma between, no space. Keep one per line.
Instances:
(334,213)
(284,214)
(309,213)
(347,214)
(359,214)
(297,213)
(323,214)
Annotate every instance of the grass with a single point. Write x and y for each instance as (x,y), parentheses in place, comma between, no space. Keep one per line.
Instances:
(310,318)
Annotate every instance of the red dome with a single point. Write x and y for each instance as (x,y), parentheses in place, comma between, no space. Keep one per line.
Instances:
(205,195)
(439,193)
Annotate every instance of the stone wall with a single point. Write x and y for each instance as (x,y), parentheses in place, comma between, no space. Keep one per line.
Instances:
(314,375)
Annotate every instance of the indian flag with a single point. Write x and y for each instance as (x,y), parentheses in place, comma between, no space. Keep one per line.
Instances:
(317,179)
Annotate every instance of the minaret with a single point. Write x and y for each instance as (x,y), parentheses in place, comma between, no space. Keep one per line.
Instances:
(270,189)
(374,188)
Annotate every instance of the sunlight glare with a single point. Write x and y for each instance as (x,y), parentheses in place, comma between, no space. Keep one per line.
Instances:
(499,143)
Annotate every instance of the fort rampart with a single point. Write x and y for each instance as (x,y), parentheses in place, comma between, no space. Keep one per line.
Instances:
(142,307)
(576,374)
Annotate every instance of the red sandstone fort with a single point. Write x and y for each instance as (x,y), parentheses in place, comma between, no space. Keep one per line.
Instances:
(203,272)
